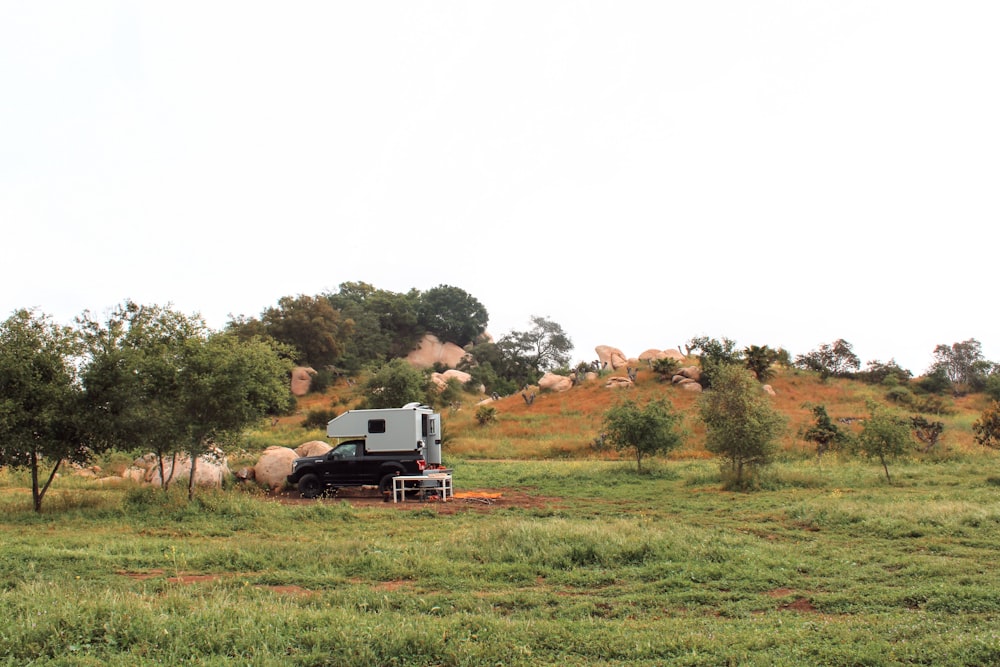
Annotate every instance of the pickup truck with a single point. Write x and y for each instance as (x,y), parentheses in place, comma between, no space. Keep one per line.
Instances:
(349,464)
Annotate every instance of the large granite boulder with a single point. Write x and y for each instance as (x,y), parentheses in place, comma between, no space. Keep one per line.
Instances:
(313,448)
(302,380)
(611,357)
(430,350)
(554,382)
(274,466)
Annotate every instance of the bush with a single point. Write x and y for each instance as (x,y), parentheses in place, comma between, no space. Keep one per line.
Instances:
(486,414)
(318,419)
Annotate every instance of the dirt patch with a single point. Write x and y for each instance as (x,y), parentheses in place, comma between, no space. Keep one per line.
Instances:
(799,604)
(483,500)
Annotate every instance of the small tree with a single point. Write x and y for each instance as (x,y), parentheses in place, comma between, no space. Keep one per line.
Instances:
(827,436)
(394,384)
(928,432)
(646,431)
(884,436)
(760,359)
(740,424)
(836,360)
(986,429)
(40,399)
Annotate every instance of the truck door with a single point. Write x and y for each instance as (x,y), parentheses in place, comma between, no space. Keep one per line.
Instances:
(345,464)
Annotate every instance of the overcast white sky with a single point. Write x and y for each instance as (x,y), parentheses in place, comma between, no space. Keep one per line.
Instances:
(780,173)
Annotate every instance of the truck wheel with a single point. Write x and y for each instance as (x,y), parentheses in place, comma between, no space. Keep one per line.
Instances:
(309,486)
(385,484)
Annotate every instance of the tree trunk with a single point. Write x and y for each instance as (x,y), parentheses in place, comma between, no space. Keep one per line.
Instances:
(886,468)
(37,494)
(194,464)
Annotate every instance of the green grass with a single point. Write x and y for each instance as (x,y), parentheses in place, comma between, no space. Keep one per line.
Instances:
(826,564)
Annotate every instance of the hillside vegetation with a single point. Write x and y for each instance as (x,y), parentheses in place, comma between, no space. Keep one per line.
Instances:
(566,424)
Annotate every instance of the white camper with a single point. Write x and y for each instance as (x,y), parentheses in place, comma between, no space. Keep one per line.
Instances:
(413,427)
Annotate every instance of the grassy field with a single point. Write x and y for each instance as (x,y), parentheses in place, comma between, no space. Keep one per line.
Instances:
(825,565)
(581,561)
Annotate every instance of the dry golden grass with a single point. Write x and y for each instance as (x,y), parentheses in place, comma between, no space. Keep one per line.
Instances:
(565,425)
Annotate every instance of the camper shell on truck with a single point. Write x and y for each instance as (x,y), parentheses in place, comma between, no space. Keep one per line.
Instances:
(373,447)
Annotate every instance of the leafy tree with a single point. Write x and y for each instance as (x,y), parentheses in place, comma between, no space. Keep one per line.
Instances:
(385,324)
(646,431)
(992,385)
(830,360)
(884,436)
(877,372)
(714,353)
(986,429)
(40,398)
(760,359)
(740,424)
(935,381)
(307,324)
(927,431)
(226,386)
(394,384)
(543,347)
(452,314)
(961,362)
(827,436)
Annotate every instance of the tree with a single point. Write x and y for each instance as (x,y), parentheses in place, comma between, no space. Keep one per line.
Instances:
(310,325)
(827,436)
(986,429)
(226,386)
(646,431)
(928,432)
(385,324)
(40,398)
(543,347)
(960,362)
(714,353)
(884,436)
(759,359)
(836,360)
(452,314)
(394,384)
(740,423)
(890,372)
(132,378)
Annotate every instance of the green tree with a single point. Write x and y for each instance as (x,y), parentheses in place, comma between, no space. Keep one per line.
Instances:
(226,386)
(714,353)
(308,324)
(960,362)
(394,384)
(646,431)
(830,360)
(132,379)
(877,372)
(827,436)
(760,359)
(884,436)
(986,429)
(385,324)
(452,314)
(543,347)
(40,398)
(740,424)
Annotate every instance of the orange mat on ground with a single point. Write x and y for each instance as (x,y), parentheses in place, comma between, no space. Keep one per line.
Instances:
(476,494)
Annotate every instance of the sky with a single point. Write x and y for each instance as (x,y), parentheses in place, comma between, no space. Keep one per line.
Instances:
(640,173)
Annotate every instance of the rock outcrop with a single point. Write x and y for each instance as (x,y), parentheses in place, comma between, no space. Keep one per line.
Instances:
(611,357)
(440,380)
(430,350)
(556,383)
(212,470)
(302,380)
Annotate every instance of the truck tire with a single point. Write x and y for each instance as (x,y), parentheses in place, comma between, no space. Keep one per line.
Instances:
(310,486)
(385,484)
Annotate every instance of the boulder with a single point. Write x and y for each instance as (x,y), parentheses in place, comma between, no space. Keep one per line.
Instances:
(211,470)
(553,382)
(769,390)
(652,355)
(690,385)
(430,350)
(302,380)
(312,448)
(273,466)
(618,382)
(691,372)
(611,357)
(440,380)
(674,354)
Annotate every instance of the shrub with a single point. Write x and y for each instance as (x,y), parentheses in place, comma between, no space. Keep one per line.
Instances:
(486,414)
(318,418)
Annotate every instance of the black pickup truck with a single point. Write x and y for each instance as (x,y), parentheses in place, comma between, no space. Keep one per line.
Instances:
(348,464)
